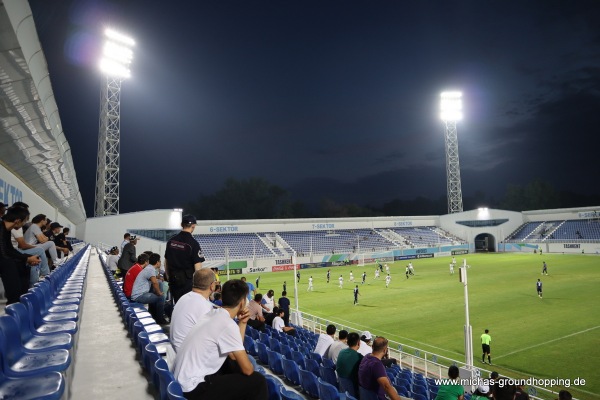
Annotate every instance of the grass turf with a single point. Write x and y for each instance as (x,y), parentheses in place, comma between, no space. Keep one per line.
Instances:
(554,337)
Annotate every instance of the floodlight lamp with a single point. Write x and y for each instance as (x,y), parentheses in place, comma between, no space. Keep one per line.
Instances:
(451,106)
(119,37)
(114,68)
(117,52)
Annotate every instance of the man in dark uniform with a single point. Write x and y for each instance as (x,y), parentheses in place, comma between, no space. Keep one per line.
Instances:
(183,257)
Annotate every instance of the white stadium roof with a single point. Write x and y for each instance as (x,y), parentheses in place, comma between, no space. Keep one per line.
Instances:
(32,143)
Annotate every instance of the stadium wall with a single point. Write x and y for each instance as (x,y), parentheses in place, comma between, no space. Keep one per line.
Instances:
(289,225)
(13,189)
(562,214)
(109,230)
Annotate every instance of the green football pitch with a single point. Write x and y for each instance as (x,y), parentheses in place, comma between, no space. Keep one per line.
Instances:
(557,336)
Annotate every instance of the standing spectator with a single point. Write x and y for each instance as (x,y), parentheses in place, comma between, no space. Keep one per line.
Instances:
(126,240)
(183,257)
(132,273)
(128,255)
(347,365)
(35,237)
(269,301)
(284,304)
(146,289)
(251,289)
(13,264)
(256,320)
(451,389)
(334,350)
(257,281)
(486,340)
(325,340)
(372,378)
(113,259)
(212,362)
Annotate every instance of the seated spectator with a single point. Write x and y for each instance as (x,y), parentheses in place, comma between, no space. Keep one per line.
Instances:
(520,393)
(504,389)
(51,233)
(61,239)
(13,264)
(365,343)
(217,299)
(325,340)
(451,389)
(113,259)
(337,346)
(142,262)
(268,301)
(564,395)
(192,306)
(279,324)
(36,272)
(271,316)
(212,362)
(257,320)
(481,393)
(35,237)
(146,289)
(372,378)
(347,365)
(128,255)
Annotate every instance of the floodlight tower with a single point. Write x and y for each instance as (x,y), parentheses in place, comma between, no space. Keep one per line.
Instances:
(114,65)
(451,113)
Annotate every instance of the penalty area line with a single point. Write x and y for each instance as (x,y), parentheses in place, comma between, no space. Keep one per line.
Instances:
(547,342)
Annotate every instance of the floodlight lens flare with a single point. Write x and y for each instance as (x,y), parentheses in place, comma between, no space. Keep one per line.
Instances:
(451,106)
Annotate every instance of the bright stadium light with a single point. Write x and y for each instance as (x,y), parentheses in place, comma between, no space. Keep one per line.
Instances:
(451,112)
(114,64)
(451,106)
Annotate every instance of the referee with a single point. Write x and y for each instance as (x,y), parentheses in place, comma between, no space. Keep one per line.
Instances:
(183,257)
(486,339)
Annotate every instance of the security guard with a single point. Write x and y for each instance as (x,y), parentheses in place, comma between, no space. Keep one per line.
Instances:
(183,257)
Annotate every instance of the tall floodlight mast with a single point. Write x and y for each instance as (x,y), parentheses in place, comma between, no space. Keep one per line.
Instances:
(451,113)
(114,65)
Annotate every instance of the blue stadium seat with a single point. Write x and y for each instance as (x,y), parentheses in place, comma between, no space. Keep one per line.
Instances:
(273,385)
(327,362)
(350,396)
(249,345)
(286,351)
(289,395)
(275,362)
(317,357)
(402,390)
(263,356)
(165,377)
(309,383)
(367,394)
(15,333)
(419,396)
(46,386)
(291,372)
(174,391)
(327,391)
(274,344)
(328,375)
(312,366)
(299,359)
(346,385)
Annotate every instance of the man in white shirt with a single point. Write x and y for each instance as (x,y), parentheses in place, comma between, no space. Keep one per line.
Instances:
(192,306)
(211,362)
(325,340)
(279,324)
(113,259)
(365,340)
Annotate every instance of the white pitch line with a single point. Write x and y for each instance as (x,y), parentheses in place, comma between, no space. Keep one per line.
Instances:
(549,341)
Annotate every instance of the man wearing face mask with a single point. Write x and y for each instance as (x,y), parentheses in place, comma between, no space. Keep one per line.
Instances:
(192,306)
(211,362)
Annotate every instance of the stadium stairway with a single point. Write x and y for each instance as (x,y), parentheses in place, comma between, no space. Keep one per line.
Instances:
(106,366)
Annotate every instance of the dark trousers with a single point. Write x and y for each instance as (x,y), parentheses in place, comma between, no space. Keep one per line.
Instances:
(230,383)
(180,283)
(15,277)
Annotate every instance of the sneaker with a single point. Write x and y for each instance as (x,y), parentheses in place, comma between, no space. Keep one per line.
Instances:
(58,262)
(42,278)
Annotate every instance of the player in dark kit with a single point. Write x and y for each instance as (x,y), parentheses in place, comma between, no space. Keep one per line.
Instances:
(544,269)
(328,275)
(298,276)
(356,294)
(364,277)
(538,286)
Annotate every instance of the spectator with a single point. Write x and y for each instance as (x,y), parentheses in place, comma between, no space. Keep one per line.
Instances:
(325,340)
(365,343)
(520,393)
(183,257)
(61,239)
(279,325)
(503,389)
(128,255)
(212,362)
(13,264)
(113,259)
(3,208)
(347,365)
(337,346)
(284,304)
(564,395)
(251,289)
(125,241)
(35,237)
(217,299)
(269,317)
(256,320)
(51,233)
(372,378)
(146,289)
(481,393)
(132,273)
(269,301)
(36,272)
(192,306)
(451,389)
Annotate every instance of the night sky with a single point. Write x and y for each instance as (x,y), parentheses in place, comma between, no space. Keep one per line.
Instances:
(334,99)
